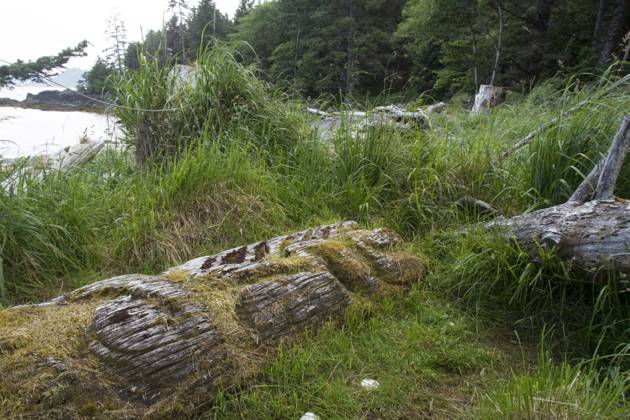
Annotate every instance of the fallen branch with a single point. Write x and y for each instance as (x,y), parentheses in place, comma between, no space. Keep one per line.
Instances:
(531,136)
(592,229)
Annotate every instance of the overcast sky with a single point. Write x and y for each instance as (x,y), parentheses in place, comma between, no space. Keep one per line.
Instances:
(33,28)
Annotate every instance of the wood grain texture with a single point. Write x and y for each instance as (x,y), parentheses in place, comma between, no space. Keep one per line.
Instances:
(159,345)
(593,236)
(287,306)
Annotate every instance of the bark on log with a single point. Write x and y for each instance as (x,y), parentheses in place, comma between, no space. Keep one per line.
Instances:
(593,236)
(158,346)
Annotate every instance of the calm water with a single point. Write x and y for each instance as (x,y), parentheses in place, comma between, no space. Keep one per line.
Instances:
(25,132)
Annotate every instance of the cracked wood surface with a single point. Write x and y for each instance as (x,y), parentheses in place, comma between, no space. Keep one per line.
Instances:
(153,345)
(593,236)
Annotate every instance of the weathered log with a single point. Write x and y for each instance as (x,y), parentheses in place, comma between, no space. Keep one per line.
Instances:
(74,156)
(592,236)
(158,346)
(358,121)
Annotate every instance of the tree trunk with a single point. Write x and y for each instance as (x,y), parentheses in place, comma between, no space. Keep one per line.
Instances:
(615,31)
(348,82)
(591,235)
(159,346)
(499,45)
(475,50)
(488,97)
(601,5)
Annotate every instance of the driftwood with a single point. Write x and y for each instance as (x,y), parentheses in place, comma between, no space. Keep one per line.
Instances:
(74,156)
(359,121)
(64,160)
(592,229)
(159,346)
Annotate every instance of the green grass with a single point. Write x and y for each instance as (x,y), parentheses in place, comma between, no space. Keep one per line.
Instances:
(234,162)
(425,354)
(559,391)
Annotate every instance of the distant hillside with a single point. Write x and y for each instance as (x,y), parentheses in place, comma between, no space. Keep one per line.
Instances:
(69,77)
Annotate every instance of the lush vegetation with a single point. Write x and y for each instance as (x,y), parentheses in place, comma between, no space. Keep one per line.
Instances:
(227,156)
(232,159)
(362,47)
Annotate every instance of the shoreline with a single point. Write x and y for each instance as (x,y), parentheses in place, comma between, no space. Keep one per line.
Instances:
(54,100)
(11,103)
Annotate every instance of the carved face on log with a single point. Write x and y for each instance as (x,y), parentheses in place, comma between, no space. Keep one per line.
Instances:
(151,345)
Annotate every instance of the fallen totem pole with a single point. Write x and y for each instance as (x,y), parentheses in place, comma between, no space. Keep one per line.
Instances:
(158,346)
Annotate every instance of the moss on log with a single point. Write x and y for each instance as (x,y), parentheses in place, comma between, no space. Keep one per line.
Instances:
(158,346)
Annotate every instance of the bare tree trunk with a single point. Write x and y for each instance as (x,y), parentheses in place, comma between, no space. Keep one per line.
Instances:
(499,45)
(182,33)
(473,32)
(626,51)
(349,53)
(592,236)
(139,346)
(601,5)
(615,31)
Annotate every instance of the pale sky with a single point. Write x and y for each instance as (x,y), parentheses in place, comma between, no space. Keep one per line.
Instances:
(32,28)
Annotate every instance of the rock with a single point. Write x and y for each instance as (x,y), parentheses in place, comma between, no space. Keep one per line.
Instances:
(369,384)
(158,346)
(63,100)
(59,100)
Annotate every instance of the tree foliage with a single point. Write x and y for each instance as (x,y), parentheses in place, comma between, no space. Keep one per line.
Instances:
(331,47)
(541,38)
(98,80)
(40,68)
(348,47)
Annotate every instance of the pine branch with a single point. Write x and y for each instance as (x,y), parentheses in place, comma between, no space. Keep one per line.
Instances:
(36,70)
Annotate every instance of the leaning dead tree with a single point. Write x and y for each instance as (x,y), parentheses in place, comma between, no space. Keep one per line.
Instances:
(592,229)
(159,346)
(597,95)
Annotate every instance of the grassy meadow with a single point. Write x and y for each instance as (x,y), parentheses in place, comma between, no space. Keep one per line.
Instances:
(487,333)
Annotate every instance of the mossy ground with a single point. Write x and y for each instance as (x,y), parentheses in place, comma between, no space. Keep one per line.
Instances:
(47,368)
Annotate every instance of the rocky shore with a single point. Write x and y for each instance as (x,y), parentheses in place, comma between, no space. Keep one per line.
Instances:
(57,100)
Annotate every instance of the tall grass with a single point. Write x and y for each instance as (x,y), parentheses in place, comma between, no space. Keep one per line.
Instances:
(230,160)
(558,391)
(165,108)
(109,217)
(236,136)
